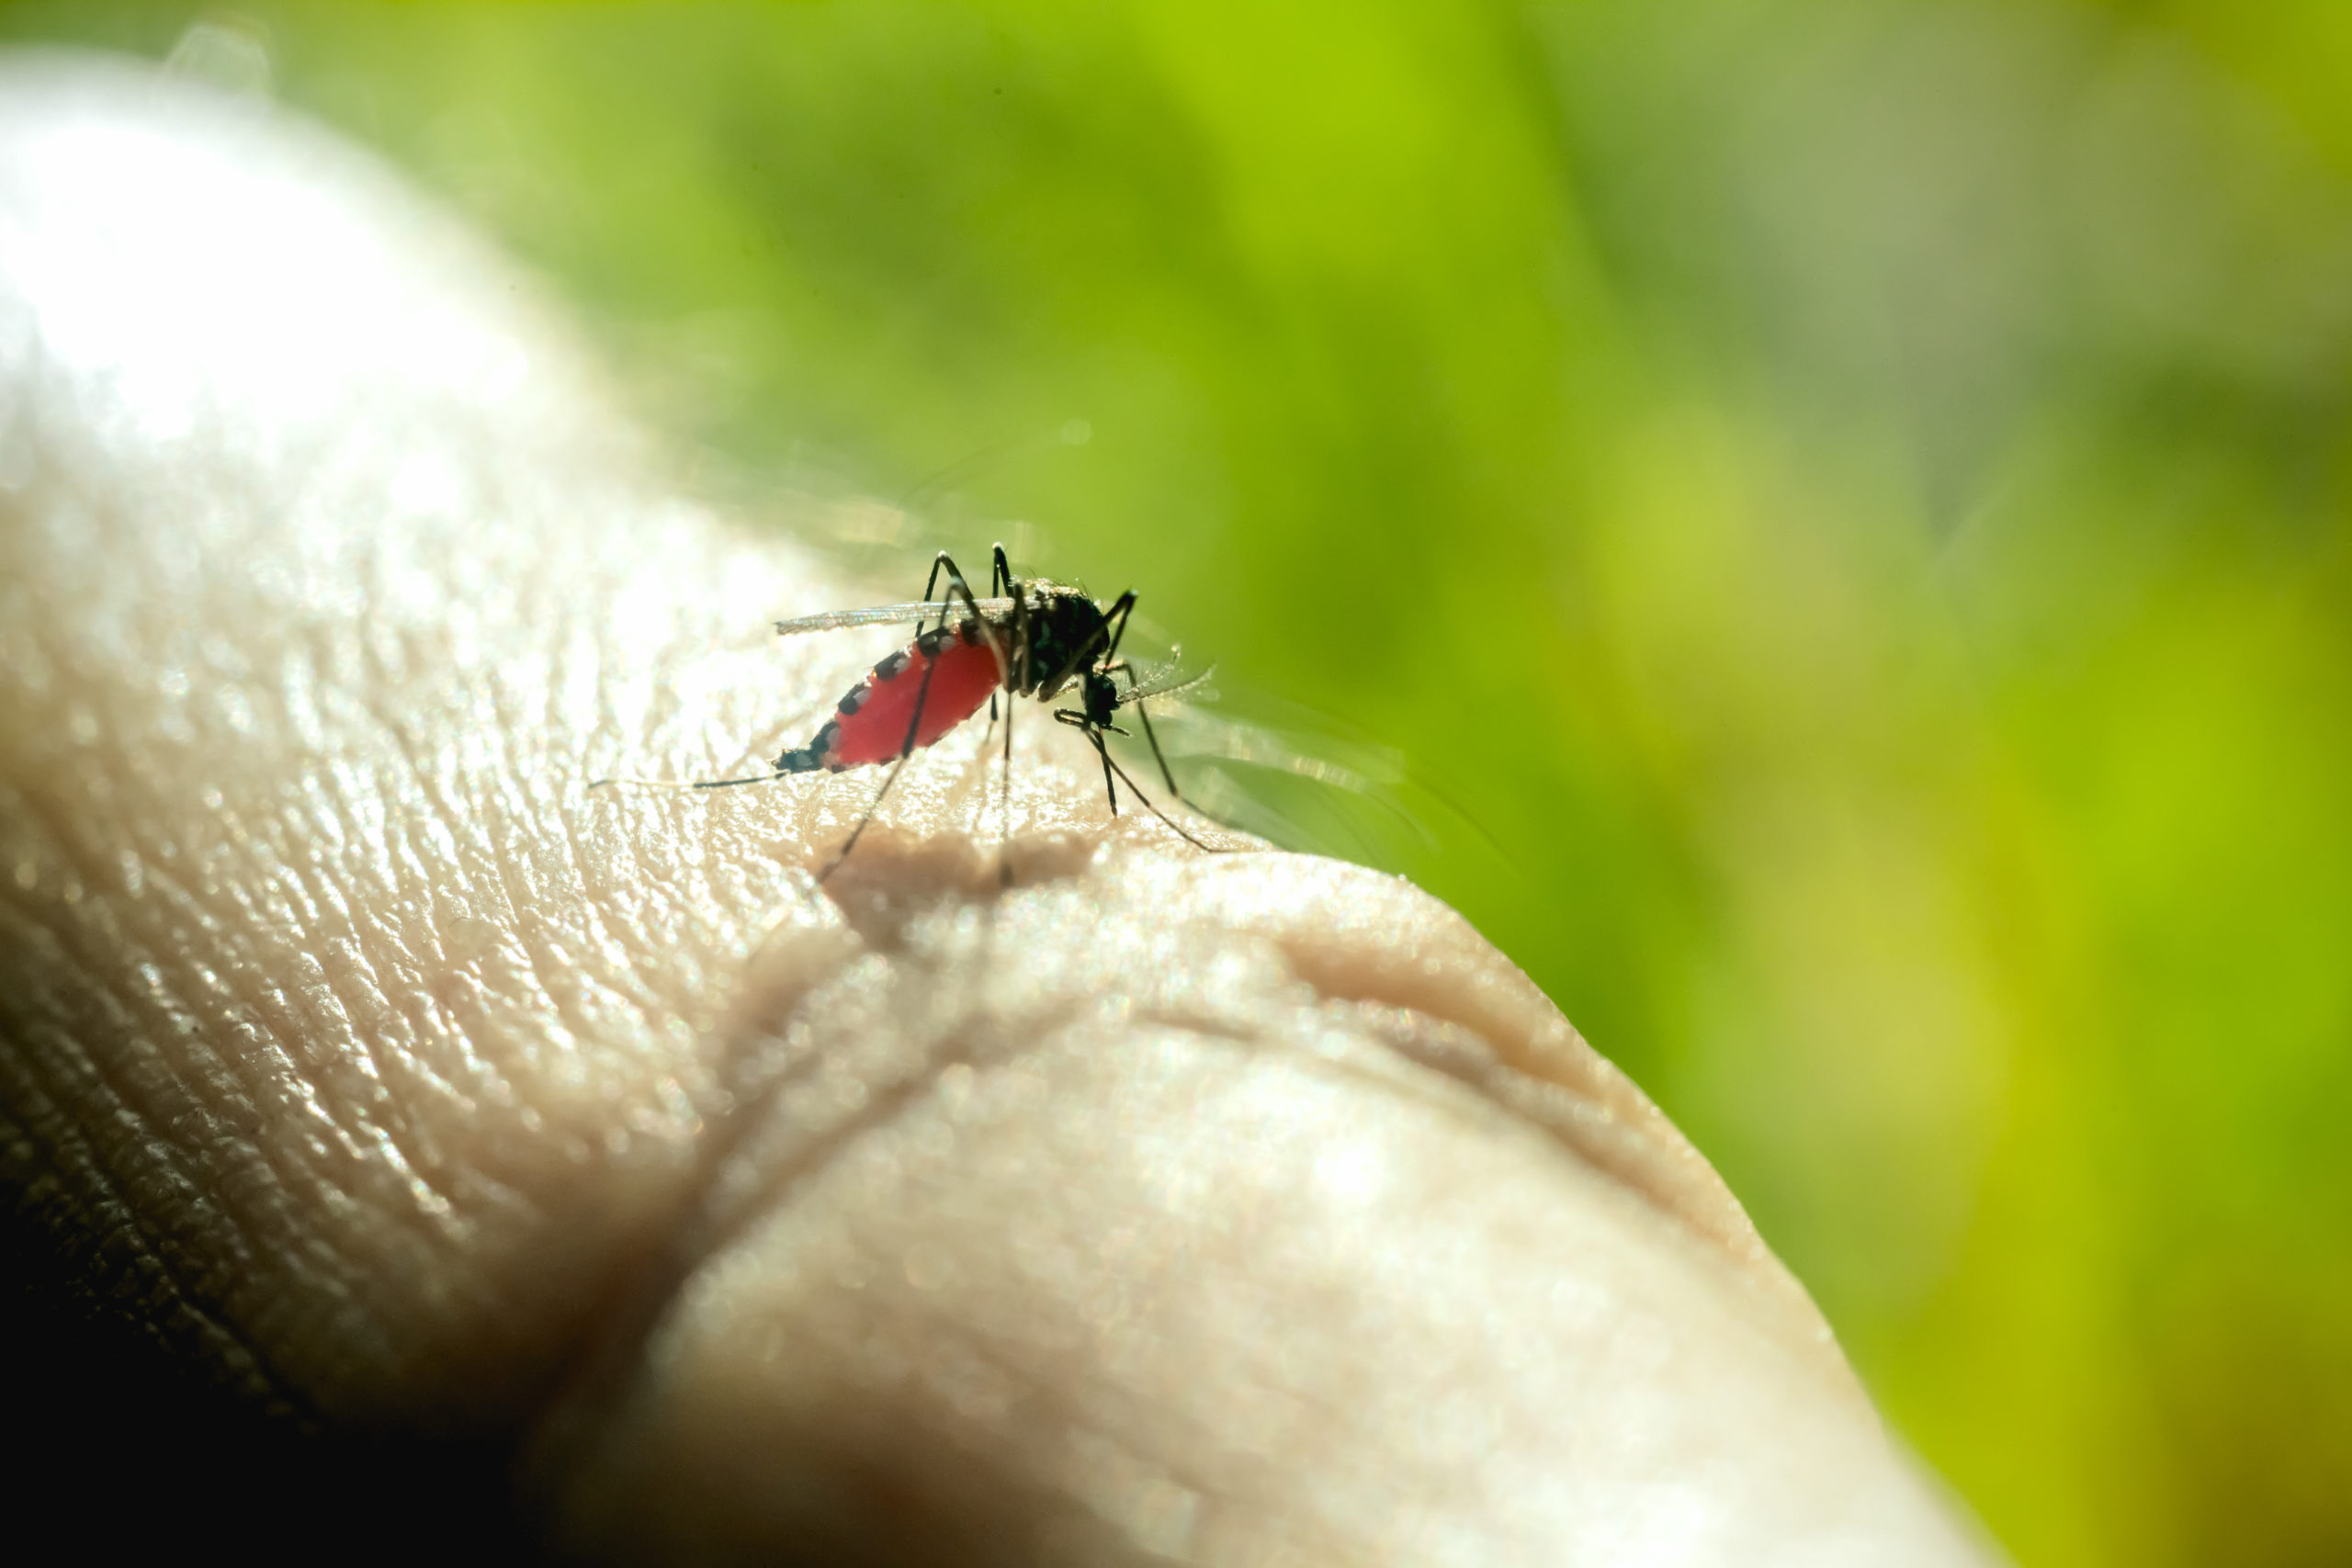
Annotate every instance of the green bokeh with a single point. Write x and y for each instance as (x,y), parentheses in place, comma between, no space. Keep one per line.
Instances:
(1845,501)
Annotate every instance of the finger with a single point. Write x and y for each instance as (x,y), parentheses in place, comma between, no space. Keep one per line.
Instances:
(1089,1233)
(1147,1210)
(322,572)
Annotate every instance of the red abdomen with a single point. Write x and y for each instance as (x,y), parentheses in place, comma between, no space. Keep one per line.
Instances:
(871,724)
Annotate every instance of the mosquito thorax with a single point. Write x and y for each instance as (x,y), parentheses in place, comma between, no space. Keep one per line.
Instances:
(1066,628)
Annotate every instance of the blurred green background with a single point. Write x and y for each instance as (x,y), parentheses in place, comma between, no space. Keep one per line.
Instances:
(1848,500)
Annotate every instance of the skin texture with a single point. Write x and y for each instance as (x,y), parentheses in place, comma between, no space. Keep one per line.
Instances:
(1241,1208)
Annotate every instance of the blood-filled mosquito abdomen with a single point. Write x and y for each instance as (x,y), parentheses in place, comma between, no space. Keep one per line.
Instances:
(870,723)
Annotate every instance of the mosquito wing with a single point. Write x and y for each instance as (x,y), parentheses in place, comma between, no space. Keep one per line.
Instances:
(887,614)
(1169,682)
(1358,768)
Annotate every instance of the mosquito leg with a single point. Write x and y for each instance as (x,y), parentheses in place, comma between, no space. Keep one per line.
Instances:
(941,562)
(855,833)
(1004,821)
(914,722)
(1085,652)
(932,581)
(977,768)
(1104,752)
(1121,608)
(1157,755)
(626,782)
(1109,766)
(906,750)
(1003,584)
(1125,667)
(1093,734)
(1017,670)
(958,588)
(980,762)
(945,563)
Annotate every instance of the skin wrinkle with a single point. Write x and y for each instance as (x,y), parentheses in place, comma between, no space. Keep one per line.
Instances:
(772,1175)
(120,1111)
(124,1226)
(543,942)
(636,1299)
(1621,1132)
(340,991)
(1532,1045)
(732,1201)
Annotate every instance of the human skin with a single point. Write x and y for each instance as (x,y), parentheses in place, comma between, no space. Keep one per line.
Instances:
(1226,1208)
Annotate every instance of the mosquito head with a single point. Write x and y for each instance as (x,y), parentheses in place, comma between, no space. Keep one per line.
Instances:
(1066,635)
(1100,698)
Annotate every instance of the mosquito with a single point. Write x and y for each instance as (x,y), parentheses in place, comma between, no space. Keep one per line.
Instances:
(1031,637)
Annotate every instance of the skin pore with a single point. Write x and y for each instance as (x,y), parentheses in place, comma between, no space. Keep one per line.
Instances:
(1236,1208)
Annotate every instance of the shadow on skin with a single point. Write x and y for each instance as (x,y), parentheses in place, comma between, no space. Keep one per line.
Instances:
(1232,1209)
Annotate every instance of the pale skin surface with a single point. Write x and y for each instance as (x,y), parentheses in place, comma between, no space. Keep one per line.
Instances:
(1226,1209)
